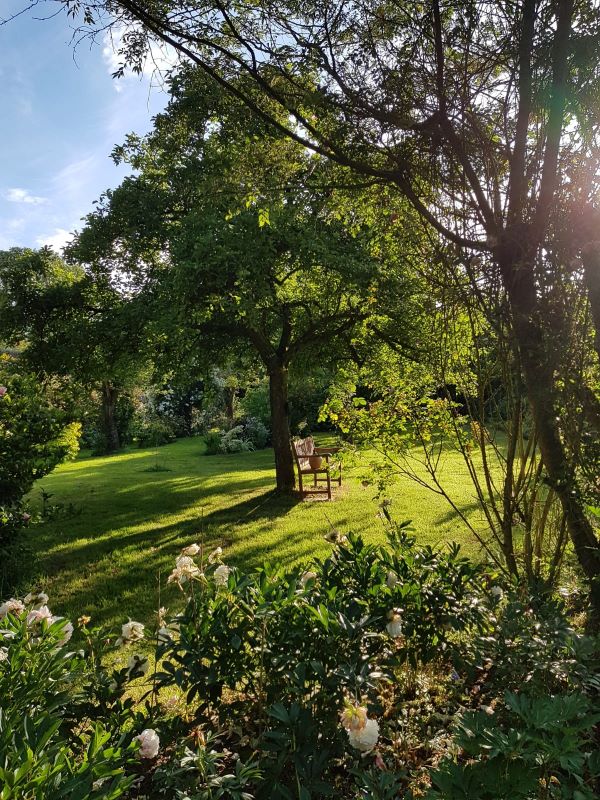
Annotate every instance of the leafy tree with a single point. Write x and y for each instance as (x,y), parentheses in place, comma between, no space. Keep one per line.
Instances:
(241,234)
(482,115)
(73,324)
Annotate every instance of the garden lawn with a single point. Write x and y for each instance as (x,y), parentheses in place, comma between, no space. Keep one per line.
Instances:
(109,555)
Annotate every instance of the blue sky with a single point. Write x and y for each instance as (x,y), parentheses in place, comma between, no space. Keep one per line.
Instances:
(62,113)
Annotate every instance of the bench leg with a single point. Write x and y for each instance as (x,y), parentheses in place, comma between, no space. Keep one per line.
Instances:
(328,485)
(300,483)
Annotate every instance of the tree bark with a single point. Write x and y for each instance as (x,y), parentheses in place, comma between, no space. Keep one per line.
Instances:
(516,262)
(229,393)
(109,421)
(280,427)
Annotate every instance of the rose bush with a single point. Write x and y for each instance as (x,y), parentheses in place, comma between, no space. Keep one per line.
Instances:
(379,672)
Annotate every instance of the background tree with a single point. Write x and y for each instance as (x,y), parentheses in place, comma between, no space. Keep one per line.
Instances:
(75,324)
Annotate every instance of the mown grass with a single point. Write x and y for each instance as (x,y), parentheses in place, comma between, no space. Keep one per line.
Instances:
(137,509)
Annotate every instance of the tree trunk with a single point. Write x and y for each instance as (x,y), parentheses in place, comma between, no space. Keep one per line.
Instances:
(229,393)
(280,428)
(519,280)
(109,420)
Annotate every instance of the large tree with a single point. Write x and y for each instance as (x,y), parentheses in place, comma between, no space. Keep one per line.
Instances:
(242,235)
(73,324)
(483,115)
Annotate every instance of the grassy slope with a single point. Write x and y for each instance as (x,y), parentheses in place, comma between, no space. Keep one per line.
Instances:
(133,522)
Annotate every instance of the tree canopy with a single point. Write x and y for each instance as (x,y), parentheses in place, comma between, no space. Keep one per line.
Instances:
(245,238)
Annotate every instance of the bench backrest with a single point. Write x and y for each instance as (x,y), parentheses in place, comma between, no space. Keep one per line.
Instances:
(302,449)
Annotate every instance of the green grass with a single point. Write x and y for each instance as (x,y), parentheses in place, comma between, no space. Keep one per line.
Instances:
(140,507)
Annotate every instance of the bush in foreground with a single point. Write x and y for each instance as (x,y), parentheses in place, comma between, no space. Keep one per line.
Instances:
(380,672)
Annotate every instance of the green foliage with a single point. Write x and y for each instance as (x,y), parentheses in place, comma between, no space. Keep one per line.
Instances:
(205,774)
(33,434)
(540,747)
(154,431)
(213,443)
(57,738)
(292,646)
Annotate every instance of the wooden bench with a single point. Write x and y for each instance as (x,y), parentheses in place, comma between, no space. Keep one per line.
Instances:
(315,461)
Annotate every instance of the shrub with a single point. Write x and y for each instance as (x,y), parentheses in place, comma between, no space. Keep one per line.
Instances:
(35,436)
(64,732)
(372,674)
(255,432)
(154,432)
(235,441)
(213,443)
(277,654)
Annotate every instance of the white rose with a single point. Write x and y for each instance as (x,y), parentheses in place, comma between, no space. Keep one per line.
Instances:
(185,570)
(391,579)
(11,606)
(215,555)
(38,615)
(131,632)
(394,626)
(164,635)
(184,562)
(222,575)
(149,743)
(36,599)
(497,592)
(67,630)
(191,550)
(3,653)
(365,738)
(138,664)
(308,576)
(354,718)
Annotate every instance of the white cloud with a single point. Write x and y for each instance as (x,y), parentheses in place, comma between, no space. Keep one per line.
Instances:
(160,58)
(23,196)
(56,240)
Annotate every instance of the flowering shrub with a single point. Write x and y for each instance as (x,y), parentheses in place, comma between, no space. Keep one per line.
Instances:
(56,739)
(278,654)
(379,672)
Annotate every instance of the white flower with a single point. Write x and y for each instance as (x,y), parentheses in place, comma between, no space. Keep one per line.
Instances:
(366,738)
(131,632)
(308,576)
(138,664)
(497,592)
(36,599)
(11,606)
(394,626)
(39,614)
(149,743)
(391,579)
(185,570)
(222,575)
(354,718)
(3,653)
(191,550)
(164,635)
(488,710)
(67,630)
(215,555)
